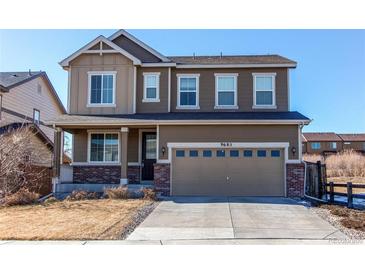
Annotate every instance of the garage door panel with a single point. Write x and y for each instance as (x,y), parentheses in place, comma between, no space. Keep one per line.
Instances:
(231,176)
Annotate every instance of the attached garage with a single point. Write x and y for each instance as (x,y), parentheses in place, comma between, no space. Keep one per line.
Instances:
(234,171)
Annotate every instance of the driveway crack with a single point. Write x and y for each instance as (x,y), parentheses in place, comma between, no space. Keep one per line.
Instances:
(230,215)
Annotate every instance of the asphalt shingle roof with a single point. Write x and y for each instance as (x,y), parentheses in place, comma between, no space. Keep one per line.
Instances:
(9,79)
(321,136)
(355,137)
(235,59)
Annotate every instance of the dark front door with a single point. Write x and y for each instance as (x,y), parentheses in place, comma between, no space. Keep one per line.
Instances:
(149,146)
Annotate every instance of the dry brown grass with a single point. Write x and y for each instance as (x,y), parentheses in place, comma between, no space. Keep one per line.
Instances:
(21,197)
(350,218)
(69,220)
(313,158)
(346,164)
(121,192)
(344,180)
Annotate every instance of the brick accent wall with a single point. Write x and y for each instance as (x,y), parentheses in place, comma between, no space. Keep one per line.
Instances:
(133,174)
(162,178)
(295,180)
(96,174)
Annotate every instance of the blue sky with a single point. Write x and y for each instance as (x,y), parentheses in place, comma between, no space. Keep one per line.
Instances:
(328,85)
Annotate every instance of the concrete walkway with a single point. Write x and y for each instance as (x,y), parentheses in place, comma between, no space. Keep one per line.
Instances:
(205,219)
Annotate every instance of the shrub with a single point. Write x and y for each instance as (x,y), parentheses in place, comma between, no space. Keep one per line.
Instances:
(117,193)
(78,195)
(149,194)
(21,197)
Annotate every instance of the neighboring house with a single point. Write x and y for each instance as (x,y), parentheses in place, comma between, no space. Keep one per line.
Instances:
(26,100)
(192,125)
(330,142)
(321,142)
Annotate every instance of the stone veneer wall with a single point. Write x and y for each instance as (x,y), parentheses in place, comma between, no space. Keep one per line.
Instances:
(96,174)
(133,174)
(295,180)
(162,178)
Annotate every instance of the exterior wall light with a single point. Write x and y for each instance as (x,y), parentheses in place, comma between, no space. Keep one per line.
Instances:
(163,150)
(293,150)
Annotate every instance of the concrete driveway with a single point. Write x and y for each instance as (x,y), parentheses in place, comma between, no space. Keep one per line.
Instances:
(219,218)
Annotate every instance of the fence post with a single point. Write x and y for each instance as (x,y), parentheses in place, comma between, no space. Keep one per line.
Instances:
(319,175)
(349,195)
(332,196)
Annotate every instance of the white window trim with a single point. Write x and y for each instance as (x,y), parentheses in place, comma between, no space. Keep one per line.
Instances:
(89,147)
(315,148)
(91,73)
(217,76)
(273,79)
(196,76)
(333,145)
(151,100)
(37,122)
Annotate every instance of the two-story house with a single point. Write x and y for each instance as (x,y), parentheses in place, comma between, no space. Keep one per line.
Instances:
(192,125)
(329,142)
(27,99)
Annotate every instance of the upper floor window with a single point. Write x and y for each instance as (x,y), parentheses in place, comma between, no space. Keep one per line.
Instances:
(316,145)
(104,147)
(264,90)
(333,145)
(151,90)
(225,90)
(36,116)
(188,91)
(101,88)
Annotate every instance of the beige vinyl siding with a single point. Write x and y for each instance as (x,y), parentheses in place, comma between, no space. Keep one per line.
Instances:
(24,98)
(107,62)
(229,133)
(244,88)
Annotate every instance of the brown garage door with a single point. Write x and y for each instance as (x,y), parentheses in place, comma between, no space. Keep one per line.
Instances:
(228,172)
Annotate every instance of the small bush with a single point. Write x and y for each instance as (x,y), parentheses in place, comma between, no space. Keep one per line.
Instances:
(117,193)
(149,194)
(21,197)
(78,195)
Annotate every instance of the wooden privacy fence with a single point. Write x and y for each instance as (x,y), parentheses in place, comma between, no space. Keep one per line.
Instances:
(315,180)
(349,192)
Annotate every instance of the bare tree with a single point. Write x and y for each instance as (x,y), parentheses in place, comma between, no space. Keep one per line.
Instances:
(22,164)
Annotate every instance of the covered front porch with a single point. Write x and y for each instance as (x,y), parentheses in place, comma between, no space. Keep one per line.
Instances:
(106,157)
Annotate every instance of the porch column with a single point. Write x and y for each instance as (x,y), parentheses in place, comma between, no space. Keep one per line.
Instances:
(124,154)
(57,152)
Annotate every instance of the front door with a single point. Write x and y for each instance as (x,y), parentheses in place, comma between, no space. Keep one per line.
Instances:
(149,147)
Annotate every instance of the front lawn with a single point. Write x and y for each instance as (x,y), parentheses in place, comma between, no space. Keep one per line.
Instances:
(103,219)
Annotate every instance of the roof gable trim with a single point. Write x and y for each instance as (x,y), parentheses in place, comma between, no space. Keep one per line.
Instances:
(101,38)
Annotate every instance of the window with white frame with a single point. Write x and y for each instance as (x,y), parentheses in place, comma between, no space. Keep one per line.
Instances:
(151,88)
(226,90)
(264,90)
(333,145)
(188,91)
(316,145)
(104,147)
(101,88)
(36,116)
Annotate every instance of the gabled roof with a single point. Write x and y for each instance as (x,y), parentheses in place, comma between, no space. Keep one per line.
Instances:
(233,59)
(354,137)
(138,42)
(101,38)
(321,137)
(9,80)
